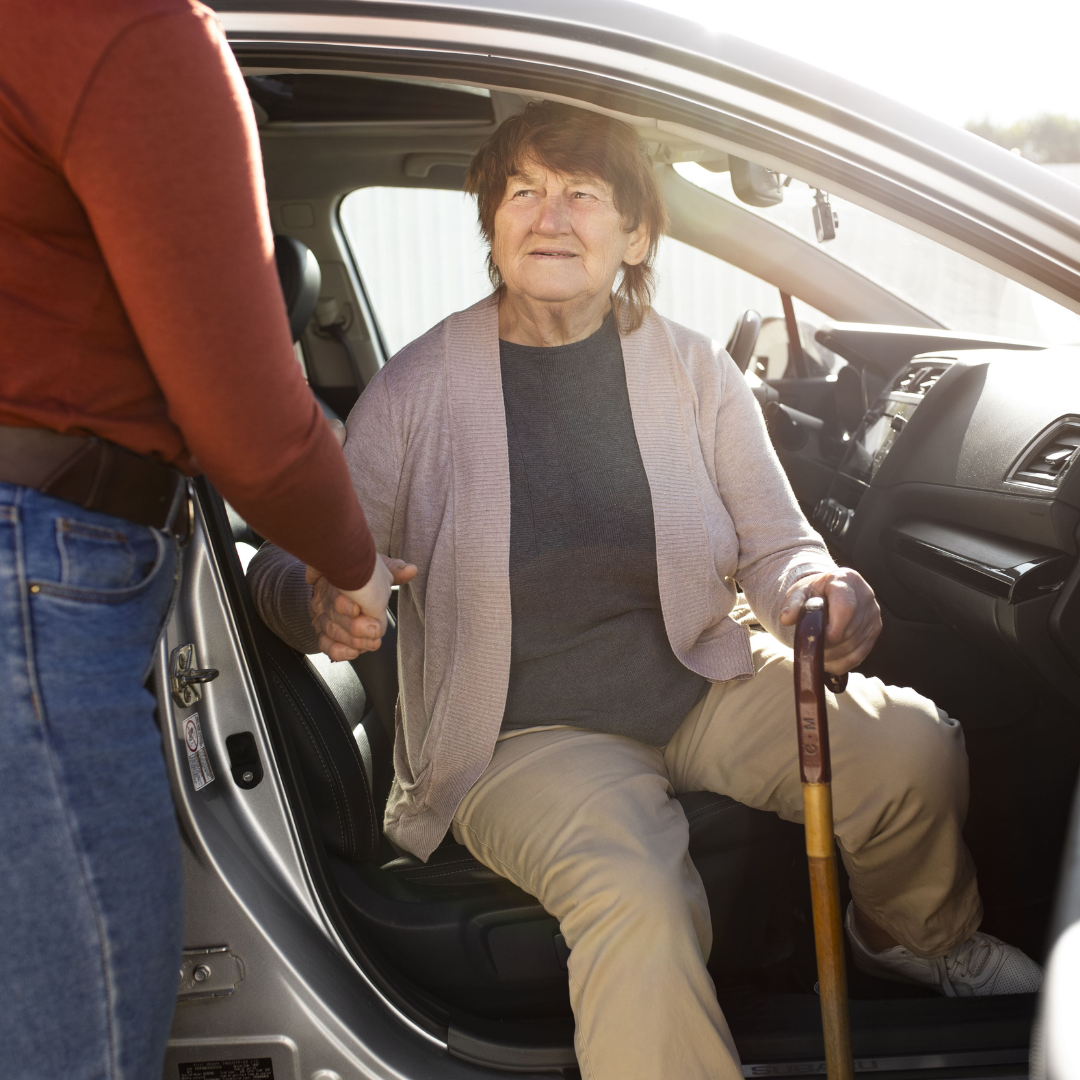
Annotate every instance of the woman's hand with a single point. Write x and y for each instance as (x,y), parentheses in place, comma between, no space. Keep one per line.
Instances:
(854,616)
(351,623)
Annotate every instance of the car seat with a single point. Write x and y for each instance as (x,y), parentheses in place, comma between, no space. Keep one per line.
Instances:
(451,925)
(301,279)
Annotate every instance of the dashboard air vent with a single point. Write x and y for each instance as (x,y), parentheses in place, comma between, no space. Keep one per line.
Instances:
(1044,464)
(919,378)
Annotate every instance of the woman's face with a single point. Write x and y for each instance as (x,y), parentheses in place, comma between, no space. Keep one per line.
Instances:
(559,238)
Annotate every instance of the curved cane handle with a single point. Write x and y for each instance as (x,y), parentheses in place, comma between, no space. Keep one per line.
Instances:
(814,764)
(836,683)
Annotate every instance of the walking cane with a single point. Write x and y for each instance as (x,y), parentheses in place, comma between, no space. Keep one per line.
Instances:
(815,768)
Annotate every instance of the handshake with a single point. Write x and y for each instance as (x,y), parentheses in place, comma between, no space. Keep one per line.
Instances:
(353,622)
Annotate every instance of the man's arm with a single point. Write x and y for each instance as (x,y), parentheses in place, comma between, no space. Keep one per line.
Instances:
(298,603)
(164,156)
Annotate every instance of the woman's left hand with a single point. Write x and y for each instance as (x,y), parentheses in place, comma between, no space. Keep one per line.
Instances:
(854,616)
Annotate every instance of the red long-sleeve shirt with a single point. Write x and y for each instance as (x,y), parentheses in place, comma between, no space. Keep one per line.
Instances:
(138,295)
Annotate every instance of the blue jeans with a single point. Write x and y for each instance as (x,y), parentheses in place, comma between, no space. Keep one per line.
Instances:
(91,888)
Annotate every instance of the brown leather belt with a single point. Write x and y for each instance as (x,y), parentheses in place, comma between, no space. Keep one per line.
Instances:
(97,475)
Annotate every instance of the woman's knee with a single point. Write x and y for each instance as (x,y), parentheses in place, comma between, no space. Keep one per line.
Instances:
(643,898)
(905,748)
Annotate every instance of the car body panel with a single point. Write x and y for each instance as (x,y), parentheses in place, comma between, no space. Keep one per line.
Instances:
(303,1001)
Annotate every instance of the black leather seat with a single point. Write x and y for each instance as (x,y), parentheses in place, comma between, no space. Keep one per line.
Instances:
(300,277)
(451,925)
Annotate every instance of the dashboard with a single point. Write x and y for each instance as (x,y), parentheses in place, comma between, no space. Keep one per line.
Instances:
(958,497)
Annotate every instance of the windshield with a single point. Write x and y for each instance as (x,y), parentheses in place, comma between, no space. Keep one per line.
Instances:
(953,289)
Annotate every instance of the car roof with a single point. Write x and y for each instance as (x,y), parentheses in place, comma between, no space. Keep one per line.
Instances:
(721,90)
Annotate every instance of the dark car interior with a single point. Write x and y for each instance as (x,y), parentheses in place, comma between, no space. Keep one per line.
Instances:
(942,465)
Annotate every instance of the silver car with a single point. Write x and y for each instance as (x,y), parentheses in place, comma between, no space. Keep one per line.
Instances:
(901,296)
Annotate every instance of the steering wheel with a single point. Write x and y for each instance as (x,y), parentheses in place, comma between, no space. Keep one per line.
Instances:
(740,346)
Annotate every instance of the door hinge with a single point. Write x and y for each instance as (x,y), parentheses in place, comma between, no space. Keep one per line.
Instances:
(185,678)
(214,972)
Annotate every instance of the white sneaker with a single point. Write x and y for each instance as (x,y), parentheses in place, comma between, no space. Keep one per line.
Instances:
(978,967)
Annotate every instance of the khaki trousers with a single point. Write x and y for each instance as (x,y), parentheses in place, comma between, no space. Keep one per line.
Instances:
(586,822)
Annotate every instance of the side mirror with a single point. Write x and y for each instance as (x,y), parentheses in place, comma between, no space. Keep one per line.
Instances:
(755,185)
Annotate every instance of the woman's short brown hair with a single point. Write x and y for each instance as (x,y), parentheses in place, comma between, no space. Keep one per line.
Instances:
(576,143)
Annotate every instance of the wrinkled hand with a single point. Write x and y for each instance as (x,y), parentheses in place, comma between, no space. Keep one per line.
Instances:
(353,622)
(854,616)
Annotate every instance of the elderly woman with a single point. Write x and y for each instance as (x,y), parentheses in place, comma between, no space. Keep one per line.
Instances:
(583,486)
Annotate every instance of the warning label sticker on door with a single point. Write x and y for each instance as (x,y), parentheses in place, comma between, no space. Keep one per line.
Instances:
(235,1069)
(198,759)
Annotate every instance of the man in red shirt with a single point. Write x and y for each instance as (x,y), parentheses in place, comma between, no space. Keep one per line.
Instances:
(142,337)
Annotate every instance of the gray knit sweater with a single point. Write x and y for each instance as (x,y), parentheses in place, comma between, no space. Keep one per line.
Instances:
(427,450)
(588,646)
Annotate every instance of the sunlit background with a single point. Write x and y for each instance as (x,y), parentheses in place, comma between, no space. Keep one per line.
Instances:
(956,60)
(1006,71)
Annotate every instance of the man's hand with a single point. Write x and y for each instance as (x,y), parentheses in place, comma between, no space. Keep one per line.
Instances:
(854,616)
(351,623)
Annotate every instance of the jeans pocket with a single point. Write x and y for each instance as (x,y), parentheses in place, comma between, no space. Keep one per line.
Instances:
(93,557)
(101,563)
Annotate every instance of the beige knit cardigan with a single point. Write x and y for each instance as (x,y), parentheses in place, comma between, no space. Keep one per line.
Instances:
(427,451)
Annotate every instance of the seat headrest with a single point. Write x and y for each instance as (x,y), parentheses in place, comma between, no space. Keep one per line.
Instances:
(298,270)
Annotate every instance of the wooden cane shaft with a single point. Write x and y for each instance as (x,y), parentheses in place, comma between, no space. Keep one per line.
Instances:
(817,813)
(828,933)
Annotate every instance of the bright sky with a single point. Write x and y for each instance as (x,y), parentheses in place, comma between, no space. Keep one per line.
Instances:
(956,60)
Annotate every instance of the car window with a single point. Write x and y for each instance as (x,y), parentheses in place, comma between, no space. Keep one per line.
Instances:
(421,258)
(957,291)
(419,254)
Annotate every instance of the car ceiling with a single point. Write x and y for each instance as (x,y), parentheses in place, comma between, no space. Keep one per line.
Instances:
(322,161)
(713,89)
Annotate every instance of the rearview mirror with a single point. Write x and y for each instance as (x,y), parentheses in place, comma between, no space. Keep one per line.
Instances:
(755,185)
